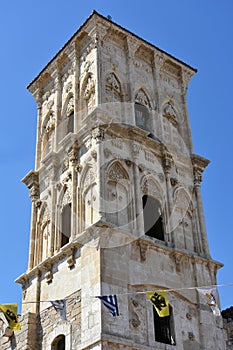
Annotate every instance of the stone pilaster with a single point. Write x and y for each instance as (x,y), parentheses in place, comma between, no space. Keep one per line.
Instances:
(199,165)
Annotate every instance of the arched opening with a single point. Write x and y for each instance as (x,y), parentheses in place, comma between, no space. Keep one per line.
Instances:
(59,343)
(70,123)
(66,224)
(142,116)
(152,215)
(142,111)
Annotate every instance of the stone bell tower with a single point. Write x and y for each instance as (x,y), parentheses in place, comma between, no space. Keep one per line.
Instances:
(116,201)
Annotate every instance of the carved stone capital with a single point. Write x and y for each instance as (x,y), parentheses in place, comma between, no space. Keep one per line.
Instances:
(199,165)
(98,134)
(49,276)
(31,180)
(167,162)
(73,154)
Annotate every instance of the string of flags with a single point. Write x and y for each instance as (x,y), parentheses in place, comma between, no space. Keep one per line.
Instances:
(158,298)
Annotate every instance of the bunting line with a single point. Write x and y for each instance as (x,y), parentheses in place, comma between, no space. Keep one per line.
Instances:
(144,292)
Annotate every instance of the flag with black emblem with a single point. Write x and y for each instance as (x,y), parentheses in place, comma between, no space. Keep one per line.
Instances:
(160,301)
(11,315)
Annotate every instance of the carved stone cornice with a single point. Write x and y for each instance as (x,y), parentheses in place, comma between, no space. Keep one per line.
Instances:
(31,180)
(199,165)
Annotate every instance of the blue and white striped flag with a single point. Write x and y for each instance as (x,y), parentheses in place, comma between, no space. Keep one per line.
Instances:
(60,307)
(110,301)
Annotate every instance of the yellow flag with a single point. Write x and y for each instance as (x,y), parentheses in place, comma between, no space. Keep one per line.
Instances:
(10,312)
(160,301)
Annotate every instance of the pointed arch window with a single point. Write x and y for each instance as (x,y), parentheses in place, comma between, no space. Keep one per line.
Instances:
(170,125)
(66,224)
(142,111)
(59,343)
(118,196)
(152,215)
(164,328)
(48,134)
(112,88)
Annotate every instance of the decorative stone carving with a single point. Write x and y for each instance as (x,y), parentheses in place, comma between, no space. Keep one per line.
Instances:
(150,187)
(90,88)
(50,125)
(142,99)
(71,261)
(89,178)
(149,156)
(167,162)
(116,172)
(169,111)
(98,134)
(174,181)
(199,164)
(94,154)
(68,86)
(113,82)
(67,196)
(79,168)
(118,143)
(135,150)
(107,152)
(65,165)
(70,106)
(49,276)
(50,104)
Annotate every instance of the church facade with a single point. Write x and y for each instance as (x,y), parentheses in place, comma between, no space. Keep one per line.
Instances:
(116,202)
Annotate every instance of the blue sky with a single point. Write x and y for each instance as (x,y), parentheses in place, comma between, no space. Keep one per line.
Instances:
(195,31)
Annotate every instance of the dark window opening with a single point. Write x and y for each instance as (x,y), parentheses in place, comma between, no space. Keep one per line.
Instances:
(153,221)
(70,124)
(66,224)
(164,328)
(142,117)
(59,343)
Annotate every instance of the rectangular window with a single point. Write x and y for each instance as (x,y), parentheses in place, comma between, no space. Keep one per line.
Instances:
(164,328)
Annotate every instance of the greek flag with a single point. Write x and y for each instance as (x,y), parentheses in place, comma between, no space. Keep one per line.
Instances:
(110,301)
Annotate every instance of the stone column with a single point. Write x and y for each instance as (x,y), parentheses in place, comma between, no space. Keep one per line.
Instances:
(186,76)
(32,182)
(73,159)
(137,191)
(38,98)
(77,112)
(199,164)
(53,183)
(132,46)
(58,106)
(167,165)
(158,61)
(98,136)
